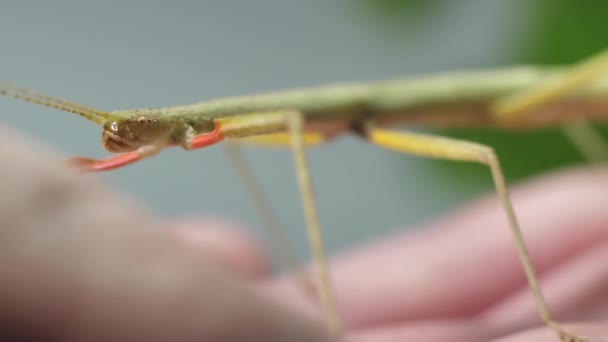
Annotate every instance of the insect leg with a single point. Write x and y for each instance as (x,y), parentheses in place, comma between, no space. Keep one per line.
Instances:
(522,102)
(194,142)
(264,123)
(459,150)
(277,232)
(281,139)
(283,250)
(581,134)
(295,124)
(588,141)
(88,164)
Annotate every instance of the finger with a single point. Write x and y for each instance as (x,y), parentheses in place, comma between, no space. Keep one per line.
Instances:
(468,331)
(576,292)
(428,331)
(227,244)
(592,331)
(466,262)
(79,263)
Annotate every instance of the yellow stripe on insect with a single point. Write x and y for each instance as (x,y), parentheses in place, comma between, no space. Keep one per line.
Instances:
(281,139)
(423,145)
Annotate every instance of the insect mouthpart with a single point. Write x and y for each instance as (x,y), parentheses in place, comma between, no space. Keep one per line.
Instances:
(118,138)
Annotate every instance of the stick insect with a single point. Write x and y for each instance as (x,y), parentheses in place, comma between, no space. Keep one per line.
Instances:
(509,98)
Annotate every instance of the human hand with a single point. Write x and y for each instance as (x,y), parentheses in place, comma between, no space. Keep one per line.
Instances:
(460,279)
(80,263)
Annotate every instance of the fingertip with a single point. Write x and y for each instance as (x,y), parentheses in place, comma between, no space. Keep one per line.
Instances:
(428,331)
(228,243)
(593,332)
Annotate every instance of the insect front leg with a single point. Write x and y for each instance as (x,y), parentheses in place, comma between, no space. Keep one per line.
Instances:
(191,141)
(459,150)
(271,128)
(295,123)
(124,159)
(282,249)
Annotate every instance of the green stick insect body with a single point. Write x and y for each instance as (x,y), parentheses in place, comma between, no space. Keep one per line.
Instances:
(462,99)
(510,98)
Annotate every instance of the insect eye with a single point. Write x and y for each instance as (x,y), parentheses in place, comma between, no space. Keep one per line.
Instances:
(114,126)
(145,120)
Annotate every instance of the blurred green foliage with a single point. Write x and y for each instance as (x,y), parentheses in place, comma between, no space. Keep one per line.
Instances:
(562,32)
(393,16)
(565,31)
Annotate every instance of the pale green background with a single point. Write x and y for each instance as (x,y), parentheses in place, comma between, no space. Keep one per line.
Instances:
(125,54)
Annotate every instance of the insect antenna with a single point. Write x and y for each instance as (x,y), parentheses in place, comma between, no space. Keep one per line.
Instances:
(91,114)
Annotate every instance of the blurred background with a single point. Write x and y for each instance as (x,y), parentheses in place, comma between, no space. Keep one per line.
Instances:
(129,54)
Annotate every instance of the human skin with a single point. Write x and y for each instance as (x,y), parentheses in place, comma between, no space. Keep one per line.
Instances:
(80,262)
(459,278)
